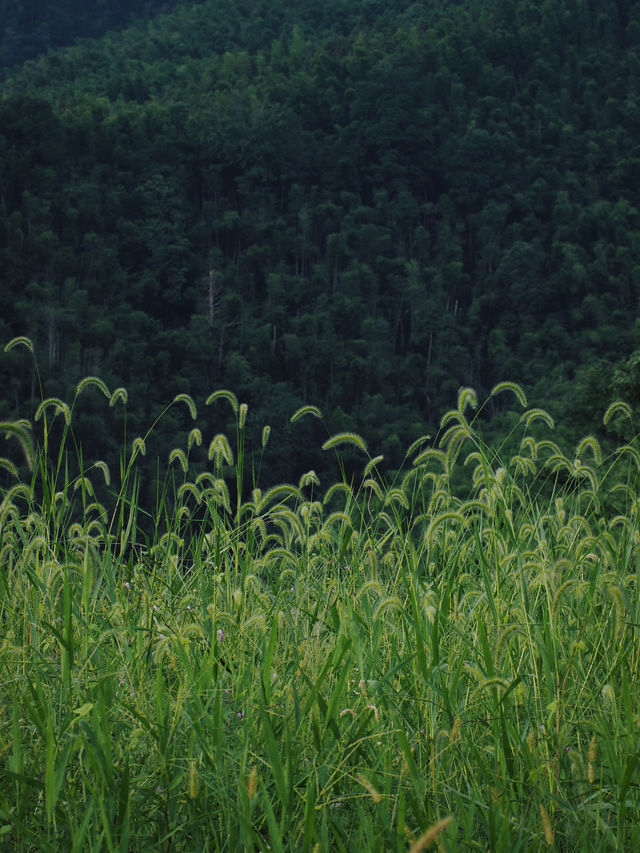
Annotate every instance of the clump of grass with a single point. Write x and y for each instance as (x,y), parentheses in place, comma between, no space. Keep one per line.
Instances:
(382,667)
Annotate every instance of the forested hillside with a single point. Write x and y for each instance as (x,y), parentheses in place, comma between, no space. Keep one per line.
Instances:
(32,27)
(357,205)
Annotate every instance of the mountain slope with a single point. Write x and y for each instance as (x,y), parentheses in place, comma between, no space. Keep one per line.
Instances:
(362,212)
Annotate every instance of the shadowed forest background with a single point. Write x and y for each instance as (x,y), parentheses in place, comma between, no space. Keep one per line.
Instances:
(357,205)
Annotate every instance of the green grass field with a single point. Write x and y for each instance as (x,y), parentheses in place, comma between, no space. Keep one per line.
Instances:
(388,666)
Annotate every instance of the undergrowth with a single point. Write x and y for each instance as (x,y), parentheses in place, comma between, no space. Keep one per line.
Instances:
(371,665)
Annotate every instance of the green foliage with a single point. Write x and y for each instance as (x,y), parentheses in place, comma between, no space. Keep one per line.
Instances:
(33,26)
(357,206)
(401,663)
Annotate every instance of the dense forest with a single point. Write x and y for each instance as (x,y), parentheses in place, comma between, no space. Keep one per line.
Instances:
(357,205)
(31,27)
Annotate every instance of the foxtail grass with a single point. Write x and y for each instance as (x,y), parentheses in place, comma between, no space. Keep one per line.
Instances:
(364,665)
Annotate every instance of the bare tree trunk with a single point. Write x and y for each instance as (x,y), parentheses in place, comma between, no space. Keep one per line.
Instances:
(213,296)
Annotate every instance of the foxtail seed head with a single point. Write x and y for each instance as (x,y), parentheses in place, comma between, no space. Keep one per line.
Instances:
(252,782)
(549,834)
(455,730)
(373,793)
(194,782)
(430,835)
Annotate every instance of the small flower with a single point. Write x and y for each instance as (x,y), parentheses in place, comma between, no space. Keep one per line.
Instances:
(593,754)
(126,585)
(159,789)
(220,635)
(240,715)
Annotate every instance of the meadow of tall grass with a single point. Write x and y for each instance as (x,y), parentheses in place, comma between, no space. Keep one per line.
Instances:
(445,658)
